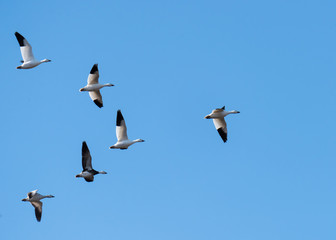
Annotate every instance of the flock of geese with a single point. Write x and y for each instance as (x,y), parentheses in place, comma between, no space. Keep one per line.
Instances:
(93,86)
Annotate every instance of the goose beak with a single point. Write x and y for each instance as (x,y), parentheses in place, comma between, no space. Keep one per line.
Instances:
(77,176)
(19,67)
(81,90)
(23,200)
(207,117)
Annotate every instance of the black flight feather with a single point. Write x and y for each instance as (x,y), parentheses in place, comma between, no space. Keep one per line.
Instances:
(94,69)
(222,134)
(20,39)
(98,103)
(38,214)
(119,118)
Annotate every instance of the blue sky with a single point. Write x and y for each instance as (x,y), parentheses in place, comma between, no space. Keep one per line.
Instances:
(171,64)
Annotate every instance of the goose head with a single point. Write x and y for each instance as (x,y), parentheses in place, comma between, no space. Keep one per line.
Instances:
(78,175)
(82,89)
(19,67)
(207,117)
(139,140)
(24,200)
(108,85)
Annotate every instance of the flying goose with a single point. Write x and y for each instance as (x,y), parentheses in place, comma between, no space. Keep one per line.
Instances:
(217,116)
(88,172)
(121,130)
(27,54)
(34,198)
(93,86)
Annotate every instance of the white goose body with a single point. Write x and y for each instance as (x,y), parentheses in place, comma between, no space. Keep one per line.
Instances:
(31,64)
(93,86)
(222,114)
(121,131)
(29,60)
(124,144)
(34,198)
(217,116)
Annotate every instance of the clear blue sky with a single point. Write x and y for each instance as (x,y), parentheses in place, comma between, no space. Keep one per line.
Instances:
(171,62)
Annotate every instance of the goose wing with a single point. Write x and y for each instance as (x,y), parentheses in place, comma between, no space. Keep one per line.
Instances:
(38,209)
(96,98)
(220,125)
(121,129)
(26,49)
(32,194)
(89,178)
(86,157)
(94,75)
(219,110)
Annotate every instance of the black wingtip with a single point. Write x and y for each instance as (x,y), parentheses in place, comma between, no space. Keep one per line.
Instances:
(20,38)
(94,69)
(119,118)
(98,103)
(84,146)
(222,134)
(38,214)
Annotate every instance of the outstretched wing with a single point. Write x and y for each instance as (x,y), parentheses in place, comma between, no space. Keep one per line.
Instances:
(26,49)
(220,125)
(86,157)
(96,98)
(121,129)
(38,210)
(94,75)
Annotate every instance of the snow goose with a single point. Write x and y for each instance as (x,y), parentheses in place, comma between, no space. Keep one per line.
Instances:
(88,172)
(121,130)
(93,86)
(27,54)
(217,116)
(34,198)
